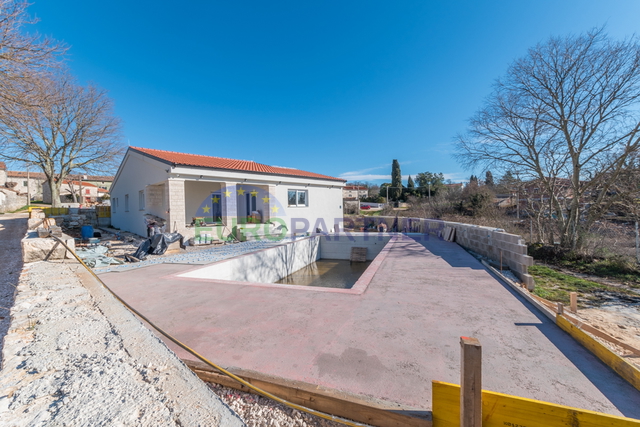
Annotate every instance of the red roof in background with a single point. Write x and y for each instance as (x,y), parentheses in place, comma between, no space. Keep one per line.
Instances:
(198,160)
(353,187)
(40,175)
(21,174)
(3,166)
(77,183)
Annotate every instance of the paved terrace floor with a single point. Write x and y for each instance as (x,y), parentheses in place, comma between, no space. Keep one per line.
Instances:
(388,342)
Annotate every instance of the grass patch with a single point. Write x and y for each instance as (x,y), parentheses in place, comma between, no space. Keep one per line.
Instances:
(555,286)
(616,267)
(370,213)
(22,209)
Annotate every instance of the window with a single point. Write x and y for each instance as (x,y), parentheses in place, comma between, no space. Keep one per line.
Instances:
(25,183)
(298,198)
(114,205)
(141,200)
(87,191)
(126,203)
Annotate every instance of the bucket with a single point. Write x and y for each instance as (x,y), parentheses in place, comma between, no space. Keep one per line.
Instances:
(86,232)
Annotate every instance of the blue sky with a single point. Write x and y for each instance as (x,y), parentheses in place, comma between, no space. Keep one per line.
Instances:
(339,88)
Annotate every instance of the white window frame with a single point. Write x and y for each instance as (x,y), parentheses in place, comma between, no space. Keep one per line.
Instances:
(297,204)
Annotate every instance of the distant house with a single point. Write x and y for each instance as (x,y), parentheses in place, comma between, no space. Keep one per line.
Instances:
(10,197)
(34,183)
(195,194)
(83,192)
(354,192)
(30,182)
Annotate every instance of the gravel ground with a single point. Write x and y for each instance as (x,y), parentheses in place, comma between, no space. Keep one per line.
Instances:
(12,230)
(258,411)
(75,357)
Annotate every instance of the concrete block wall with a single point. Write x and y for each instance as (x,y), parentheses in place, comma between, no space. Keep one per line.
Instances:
(490,242)
(338,246)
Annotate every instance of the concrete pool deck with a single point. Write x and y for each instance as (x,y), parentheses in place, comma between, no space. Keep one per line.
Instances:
(387,342)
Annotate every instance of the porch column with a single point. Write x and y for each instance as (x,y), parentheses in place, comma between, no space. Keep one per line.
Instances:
(268,203)
(229,205)
(176,206)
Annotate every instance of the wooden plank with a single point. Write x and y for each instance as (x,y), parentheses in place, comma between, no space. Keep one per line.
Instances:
(500,410)
(588,328)
(614,361)
(319,398)
(471,380)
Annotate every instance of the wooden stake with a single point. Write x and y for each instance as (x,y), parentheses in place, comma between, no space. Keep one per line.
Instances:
(574,301)
(470,382)
(560,308)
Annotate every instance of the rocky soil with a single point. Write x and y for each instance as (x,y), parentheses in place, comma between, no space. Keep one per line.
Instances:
(75,356)
(258,411)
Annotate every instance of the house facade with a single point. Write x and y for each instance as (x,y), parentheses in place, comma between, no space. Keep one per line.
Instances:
(27,182)
(198,195)
(10,197)
(71,191)
(354,192)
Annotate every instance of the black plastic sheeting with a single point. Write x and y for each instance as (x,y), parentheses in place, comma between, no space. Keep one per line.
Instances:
(157,244)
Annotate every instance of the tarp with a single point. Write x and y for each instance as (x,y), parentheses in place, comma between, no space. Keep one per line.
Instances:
(157,244)
(95,256)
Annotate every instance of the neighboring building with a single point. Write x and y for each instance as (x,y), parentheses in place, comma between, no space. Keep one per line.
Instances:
(354,192)
(224,194)
(30,182)
(99,181)
(84,191)
(10,198)
(34,182)
(456,186)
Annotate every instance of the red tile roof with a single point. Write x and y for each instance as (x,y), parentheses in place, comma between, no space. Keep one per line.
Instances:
(40,175)
(198,160)
(21,174)
(78,183)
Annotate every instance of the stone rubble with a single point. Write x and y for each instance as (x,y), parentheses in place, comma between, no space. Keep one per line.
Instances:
(258,411)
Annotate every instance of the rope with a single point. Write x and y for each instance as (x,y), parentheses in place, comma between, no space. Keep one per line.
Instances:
(207,361)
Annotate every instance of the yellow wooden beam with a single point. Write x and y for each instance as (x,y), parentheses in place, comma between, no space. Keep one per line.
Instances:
(503,410)
(615,362)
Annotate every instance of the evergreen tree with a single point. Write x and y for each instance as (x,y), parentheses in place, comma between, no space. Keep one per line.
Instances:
(488,180)
(396,181)
(410,184)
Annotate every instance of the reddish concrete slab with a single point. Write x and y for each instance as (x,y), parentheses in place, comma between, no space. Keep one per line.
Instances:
(387,342)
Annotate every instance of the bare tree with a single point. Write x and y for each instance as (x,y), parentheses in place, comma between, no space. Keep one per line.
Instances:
(567,110)
(22,56)
(69,129)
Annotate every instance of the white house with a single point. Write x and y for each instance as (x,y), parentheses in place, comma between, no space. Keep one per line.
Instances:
(197,195)
(354,192)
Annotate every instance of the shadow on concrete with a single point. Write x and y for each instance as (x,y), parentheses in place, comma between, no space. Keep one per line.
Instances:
(621,394)
(12,229)
(451,253)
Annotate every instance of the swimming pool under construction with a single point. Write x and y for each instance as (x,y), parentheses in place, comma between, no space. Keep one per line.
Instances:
(384,338)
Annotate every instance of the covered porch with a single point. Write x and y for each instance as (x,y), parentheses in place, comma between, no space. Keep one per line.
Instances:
(212,210)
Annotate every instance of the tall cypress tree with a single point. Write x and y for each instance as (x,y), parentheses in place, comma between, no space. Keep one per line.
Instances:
(410,184)
(488,180)
(396,181)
